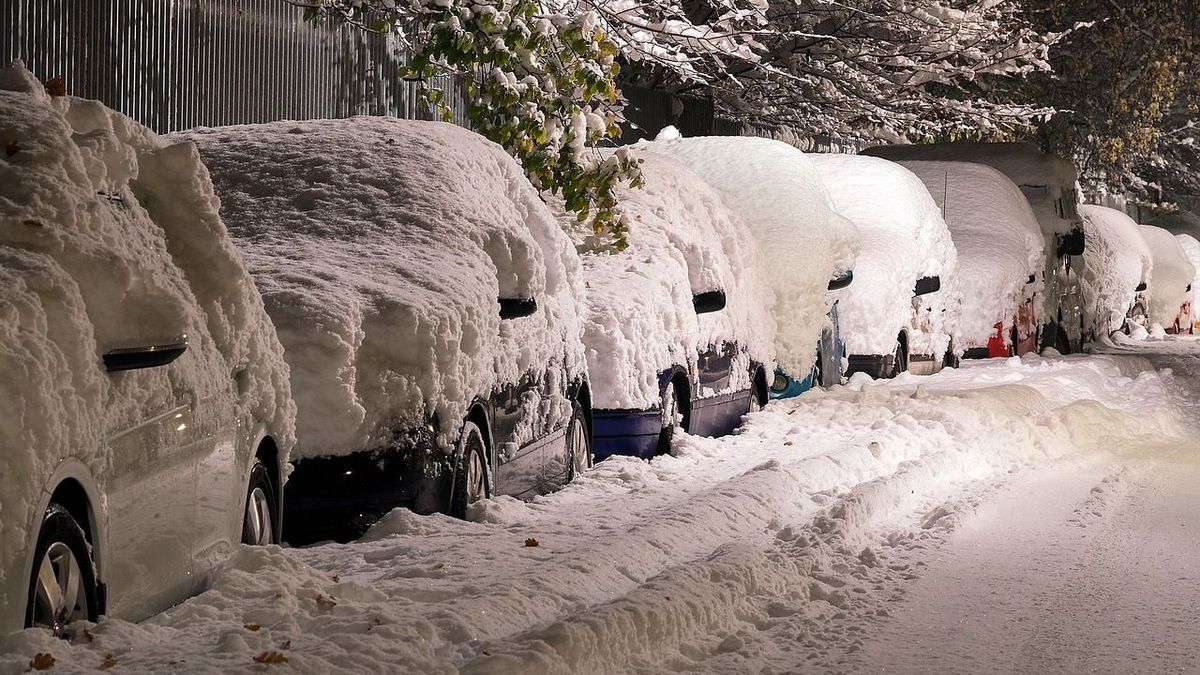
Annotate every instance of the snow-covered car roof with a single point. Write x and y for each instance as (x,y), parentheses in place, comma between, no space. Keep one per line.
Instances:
(640,320)
(1042,177)
(904,238)
(1117,261)
(778,194)
(996,235)
(381,246)
(110,239)
(1170,277)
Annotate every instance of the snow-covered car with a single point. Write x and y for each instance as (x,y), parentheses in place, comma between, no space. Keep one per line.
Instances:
(1048,183)
(427,301)
(902,309)
(1000,255)
(678,328)
(1170,281)
(1191,249)
(148,417)
(808,248)
(1118,266)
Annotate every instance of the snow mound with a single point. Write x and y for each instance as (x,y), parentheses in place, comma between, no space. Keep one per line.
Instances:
(110,238)
(1171,275)
(997,237)
(778,193)
(1191,249)
(904,238)
(640,320)
(381,247)
(1117,261)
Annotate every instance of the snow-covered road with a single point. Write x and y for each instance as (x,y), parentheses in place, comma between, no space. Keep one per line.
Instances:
(1030,515)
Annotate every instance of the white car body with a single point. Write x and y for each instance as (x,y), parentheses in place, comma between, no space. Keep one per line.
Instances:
(1118,267)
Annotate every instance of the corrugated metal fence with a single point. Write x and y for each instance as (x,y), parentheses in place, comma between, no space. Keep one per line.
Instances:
(177,64)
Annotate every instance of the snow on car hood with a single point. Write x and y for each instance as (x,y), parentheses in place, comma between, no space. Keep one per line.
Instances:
(778,194)
(640,320)
(381,246)
(1117,261)
(904,238)
(1170,276)
(109,238)
(996,236)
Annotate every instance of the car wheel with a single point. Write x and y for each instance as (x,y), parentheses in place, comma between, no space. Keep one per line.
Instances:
(899,359)
(258,521)
(62,586)
(671,417)
(471,482)
(579,447)
(818,371)
(1062,343)
(1013,338)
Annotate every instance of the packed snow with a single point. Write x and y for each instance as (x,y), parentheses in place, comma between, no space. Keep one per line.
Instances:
(904,238)
(640,320)
(1170,277)
(381,247)
(110,240)
(998,240)
(780,197)
(1117,261)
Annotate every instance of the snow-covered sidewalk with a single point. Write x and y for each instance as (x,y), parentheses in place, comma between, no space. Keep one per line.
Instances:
(808,540)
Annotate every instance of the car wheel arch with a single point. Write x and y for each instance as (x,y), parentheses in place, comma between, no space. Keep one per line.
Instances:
(760,389)
(73,487)
(678,377)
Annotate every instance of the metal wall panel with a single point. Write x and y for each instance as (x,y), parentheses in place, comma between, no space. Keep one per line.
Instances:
(177,64)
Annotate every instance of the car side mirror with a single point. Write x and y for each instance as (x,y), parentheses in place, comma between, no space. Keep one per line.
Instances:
(709,301)
(927,285)
(1071,243)
(841,281)
(136,358)
(1140,287)
(516,308)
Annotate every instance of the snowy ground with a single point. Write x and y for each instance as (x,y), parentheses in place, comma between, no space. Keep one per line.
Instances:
(1020,515)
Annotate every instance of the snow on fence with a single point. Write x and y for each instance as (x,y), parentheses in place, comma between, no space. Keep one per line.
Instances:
(177,64)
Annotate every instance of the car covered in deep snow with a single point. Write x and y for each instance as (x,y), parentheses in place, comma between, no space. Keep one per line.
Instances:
(1049,184)
(677,327)
(1170,281)
(808,248)
(902,310)
(1118,267)
(148,417)
(1000,256)
(1191,249)
(427,302)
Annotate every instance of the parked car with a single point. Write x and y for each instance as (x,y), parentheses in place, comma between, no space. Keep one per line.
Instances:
(148,414)
(1170,281)
(427,300)
(1000,255)
(808,248)
(1118,266)
(678,329)
(1191,249)
(902,309)
(1048,183)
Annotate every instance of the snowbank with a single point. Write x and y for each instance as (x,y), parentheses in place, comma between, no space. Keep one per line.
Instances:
(904,238)
(109,238)
(777,192)
(381,247)
(640,319)
(1191,249)
(1171,275)
(998,240)
(1117,261)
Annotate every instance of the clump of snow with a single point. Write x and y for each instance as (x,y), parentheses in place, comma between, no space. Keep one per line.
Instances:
(1170,277)
(640,320)
(1117,261)
(997,237)
(778,194)
(381,247)
(904,238)
(109,238)
(1191,249)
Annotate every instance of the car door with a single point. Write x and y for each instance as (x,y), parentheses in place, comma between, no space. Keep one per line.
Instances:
(220,485)
(518,456)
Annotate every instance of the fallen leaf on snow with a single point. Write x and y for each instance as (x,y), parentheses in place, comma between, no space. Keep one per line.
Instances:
(531,542)
(270,656)
(108,662)
(41,661)
(788,443)
(252,627)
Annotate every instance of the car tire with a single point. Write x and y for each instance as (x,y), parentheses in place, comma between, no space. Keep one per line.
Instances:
(579,446)
(471,480)
(261,515)
(899,359)
(62,567)
(671,415)
(1013,338)
(1061,342)
(818,371)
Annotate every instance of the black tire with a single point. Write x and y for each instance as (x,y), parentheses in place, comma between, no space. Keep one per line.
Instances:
(471,479)
(759,395)
(62,552)
(818,370)
(260,517)
(1012,349)
(1061,342)
(671,396)
(899,359)
(579,443)
(951,360)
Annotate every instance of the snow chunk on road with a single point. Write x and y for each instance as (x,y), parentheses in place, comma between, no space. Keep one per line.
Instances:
(1117,261)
